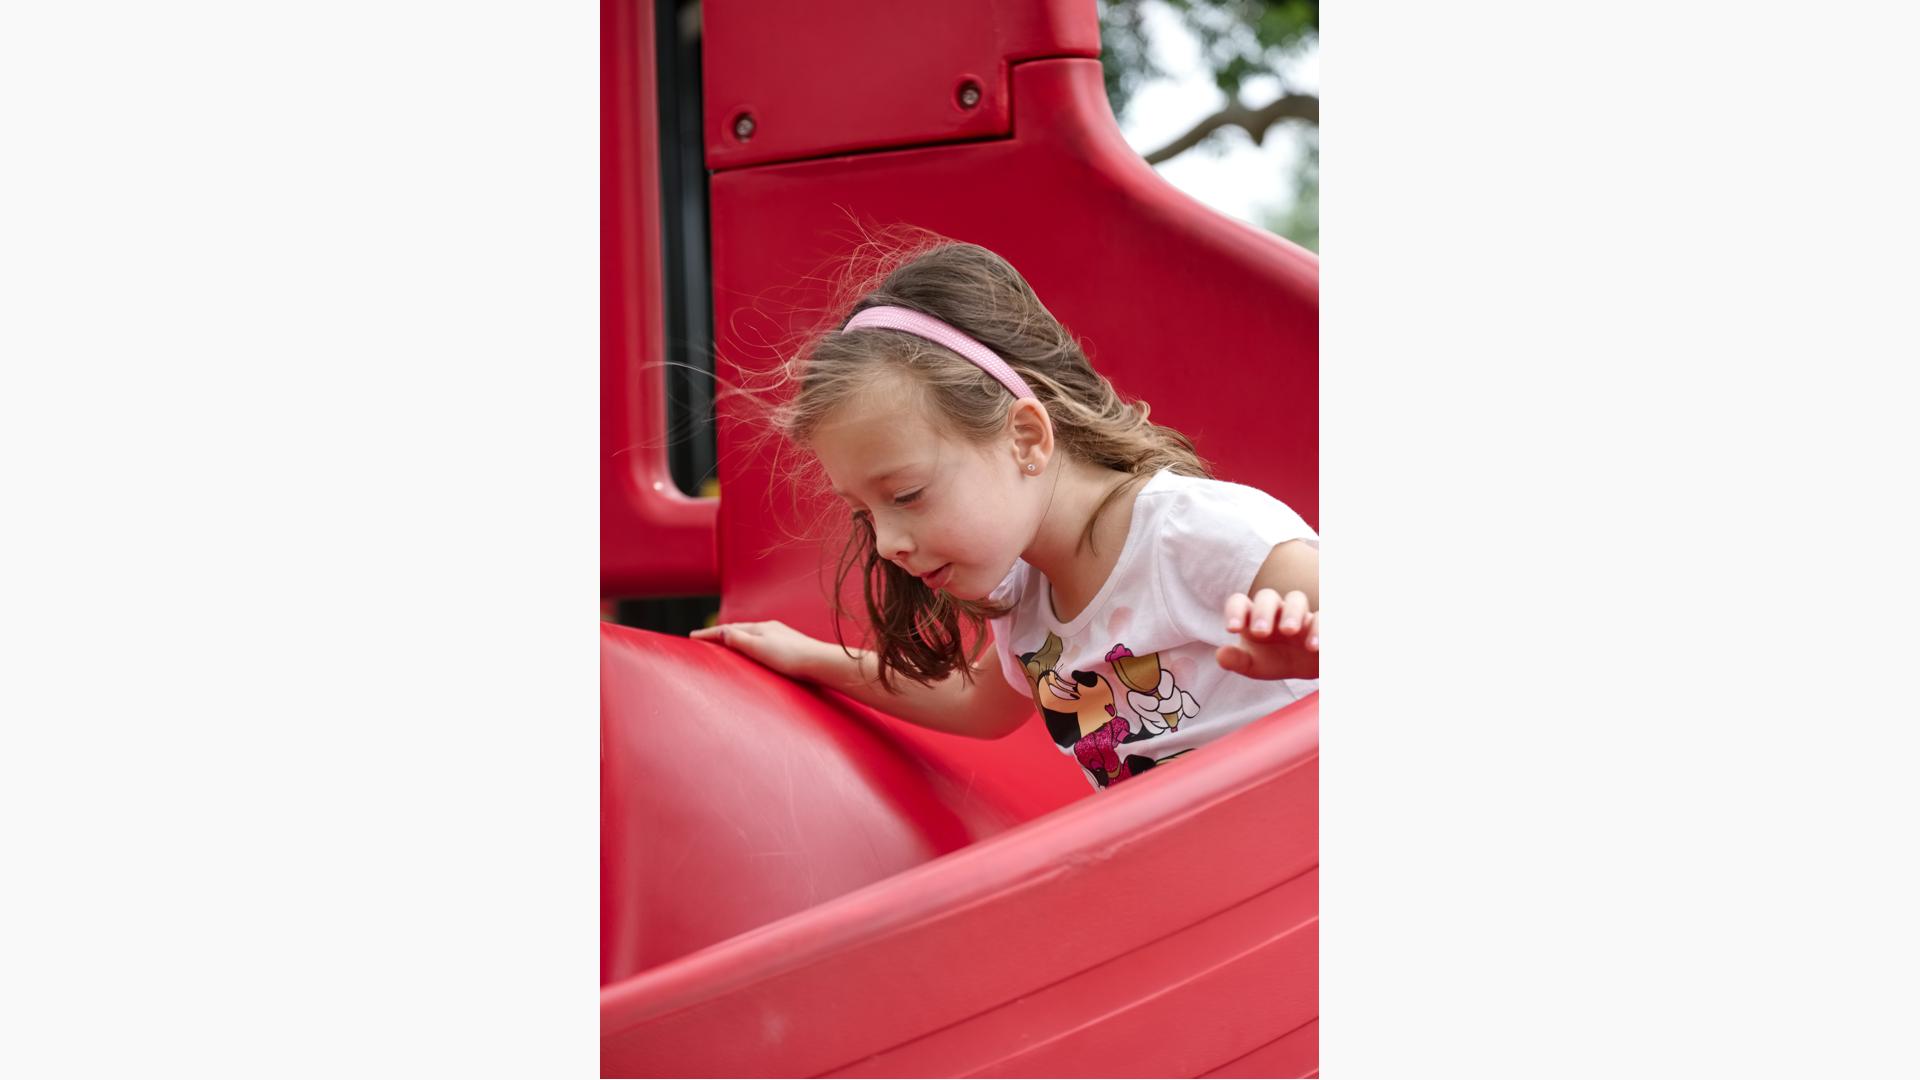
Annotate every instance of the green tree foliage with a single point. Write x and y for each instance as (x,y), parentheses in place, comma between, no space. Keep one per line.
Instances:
(1240,40)
(1300,222)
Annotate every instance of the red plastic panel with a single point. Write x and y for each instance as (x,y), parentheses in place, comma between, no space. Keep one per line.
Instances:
(1296,1053)
(831,76)
(1165,927)
(731,797)
(653,539)
(1213,322)
(1222,981)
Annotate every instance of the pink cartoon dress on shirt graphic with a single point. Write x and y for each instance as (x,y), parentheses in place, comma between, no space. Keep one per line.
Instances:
(1132,681)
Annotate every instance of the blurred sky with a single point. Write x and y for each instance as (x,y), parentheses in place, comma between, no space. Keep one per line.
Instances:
(1246,179)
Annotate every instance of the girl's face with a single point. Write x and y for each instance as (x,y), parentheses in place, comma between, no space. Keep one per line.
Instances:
(953,513)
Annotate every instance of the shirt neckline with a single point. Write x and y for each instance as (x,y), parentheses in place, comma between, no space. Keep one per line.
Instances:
(1127,551)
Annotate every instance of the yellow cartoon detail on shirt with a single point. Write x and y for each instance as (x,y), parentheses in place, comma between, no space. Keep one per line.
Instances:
(1159,703)
(1082,715)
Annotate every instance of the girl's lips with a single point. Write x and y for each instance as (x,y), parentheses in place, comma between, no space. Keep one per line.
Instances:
(939,577)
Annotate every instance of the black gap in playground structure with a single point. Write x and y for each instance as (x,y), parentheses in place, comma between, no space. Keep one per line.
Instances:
(685,247)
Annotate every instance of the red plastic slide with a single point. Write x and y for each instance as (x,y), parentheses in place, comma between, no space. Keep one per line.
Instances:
(788,891)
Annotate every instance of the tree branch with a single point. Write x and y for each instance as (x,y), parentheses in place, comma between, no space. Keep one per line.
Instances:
(1302,107)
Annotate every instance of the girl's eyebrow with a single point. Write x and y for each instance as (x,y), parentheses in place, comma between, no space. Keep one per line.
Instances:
(888,475)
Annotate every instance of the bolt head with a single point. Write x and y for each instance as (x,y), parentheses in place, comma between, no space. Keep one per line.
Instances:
(743,127)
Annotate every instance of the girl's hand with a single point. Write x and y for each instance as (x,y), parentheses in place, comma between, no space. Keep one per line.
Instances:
(1279,637)
(774,644)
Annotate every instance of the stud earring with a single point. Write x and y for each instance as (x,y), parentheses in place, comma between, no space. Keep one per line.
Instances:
(1031,467)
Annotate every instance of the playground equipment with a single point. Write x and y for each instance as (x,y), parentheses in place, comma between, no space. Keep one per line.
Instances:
(793,884)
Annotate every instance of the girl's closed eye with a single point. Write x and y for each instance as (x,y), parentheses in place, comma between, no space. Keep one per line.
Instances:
(907,497)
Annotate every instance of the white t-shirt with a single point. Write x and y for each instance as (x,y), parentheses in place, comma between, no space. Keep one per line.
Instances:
(1133,679)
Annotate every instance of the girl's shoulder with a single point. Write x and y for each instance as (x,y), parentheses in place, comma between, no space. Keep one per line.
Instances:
(1208,540)
(1199,506)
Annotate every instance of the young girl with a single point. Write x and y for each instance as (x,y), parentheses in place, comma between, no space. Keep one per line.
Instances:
(996,482)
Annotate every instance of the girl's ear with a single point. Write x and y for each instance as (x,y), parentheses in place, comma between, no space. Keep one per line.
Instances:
(1030,430)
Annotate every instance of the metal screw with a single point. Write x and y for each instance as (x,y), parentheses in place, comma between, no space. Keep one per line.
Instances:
(969,94)
(743,127)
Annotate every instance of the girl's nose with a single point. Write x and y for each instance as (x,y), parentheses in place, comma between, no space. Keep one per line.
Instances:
(891,543)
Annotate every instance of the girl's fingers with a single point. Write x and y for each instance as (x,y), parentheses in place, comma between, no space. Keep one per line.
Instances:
(1266,603)
(1311,627)
(1292,610)
(1237,607)
(1234,658)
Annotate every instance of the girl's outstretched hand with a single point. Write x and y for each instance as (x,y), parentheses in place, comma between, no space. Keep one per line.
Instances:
(772,643)
(1279,637)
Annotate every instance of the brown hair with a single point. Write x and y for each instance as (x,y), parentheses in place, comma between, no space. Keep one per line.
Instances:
(919,633)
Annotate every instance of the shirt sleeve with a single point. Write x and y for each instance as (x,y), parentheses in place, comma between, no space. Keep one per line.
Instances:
(1016,675)
(1212,543)
(1008,592)
(1009,589)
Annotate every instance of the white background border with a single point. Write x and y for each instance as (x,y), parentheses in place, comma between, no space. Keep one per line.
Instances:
(300,369)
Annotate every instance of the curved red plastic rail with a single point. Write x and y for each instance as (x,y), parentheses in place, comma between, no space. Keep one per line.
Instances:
(654,540)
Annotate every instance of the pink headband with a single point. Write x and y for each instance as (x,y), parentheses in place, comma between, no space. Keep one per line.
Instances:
(940,333)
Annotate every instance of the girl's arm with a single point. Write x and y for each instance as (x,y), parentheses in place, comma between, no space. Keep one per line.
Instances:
(986,708)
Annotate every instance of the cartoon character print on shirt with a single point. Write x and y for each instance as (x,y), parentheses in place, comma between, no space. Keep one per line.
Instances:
(1151,691)
(1080,710)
